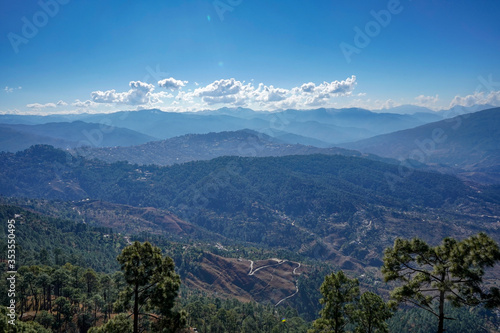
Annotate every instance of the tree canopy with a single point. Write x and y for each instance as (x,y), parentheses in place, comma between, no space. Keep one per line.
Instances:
(152,282)
(452,271)
(343,306)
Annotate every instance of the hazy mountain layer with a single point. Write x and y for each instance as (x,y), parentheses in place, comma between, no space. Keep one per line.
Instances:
(193,147)
(469,143)
(68,135)
(317,127)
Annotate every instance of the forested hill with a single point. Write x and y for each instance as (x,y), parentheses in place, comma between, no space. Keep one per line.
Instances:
(47,240)
(193,147)
(328,206)
(326,183)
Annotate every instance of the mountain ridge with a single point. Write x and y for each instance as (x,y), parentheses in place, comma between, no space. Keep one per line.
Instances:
(330,126)
(466,145)
(193,147)
(16,137)
(331,203)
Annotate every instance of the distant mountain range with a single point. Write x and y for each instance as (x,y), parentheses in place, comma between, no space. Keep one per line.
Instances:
(469,144)
(467,147)
(319,127)
(15,137)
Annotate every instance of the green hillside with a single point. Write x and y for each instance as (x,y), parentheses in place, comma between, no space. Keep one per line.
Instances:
(323,206)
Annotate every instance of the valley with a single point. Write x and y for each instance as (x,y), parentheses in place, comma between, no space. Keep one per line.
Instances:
(225,206)
(231,166)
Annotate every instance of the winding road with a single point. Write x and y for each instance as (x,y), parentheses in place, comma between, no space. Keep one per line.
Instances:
(279,262)
(296,287)
(252,271)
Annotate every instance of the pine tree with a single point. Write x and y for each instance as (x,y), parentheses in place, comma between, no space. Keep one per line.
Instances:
(151,281)
(371,314)
(340,295)
(452,271)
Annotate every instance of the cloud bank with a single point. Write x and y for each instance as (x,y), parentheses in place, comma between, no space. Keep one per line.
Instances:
(239,93)
(259,96)
(171,83)
(478,98)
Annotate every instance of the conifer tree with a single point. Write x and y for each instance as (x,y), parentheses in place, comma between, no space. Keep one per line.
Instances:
(451,271)
(152,282)
(340,295)
(371,314)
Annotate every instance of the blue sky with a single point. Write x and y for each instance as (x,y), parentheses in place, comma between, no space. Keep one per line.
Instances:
(60,56)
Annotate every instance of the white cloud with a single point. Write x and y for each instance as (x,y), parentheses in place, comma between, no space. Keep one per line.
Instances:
(83,104)
(61,103)
(320,95)
(427,101)
(108,96)
(388,104)
(40,106)
(335,87)
(185,96)
(338,88)
(230,92)
(308,87)
(172,83)
(220,88)
(225,91)
(293,101)
(159,95)
(12,111)
(237,93)
(478,98)
(228,99)
(270,94)
(141,93)
(9,90)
